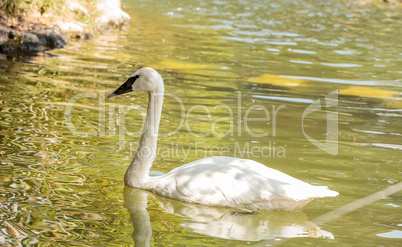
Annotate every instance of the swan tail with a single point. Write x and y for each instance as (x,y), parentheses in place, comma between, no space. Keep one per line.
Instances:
(323,191)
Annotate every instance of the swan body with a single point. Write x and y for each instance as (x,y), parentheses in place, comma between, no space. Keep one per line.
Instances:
(213,181)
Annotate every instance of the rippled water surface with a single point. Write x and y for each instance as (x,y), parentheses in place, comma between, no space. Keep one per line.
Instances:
(240,77)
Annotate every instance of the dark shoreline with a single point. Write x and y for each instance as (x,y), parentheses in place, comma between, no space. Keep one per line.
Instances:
(26,33)
(12,40)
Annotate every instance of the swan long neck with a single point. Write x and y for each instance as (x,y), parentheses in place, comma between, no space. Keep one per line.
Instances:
(138,171)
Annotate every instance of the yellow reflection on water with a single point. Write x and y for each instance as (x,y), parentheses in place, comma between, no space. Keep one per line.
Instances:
(276,80)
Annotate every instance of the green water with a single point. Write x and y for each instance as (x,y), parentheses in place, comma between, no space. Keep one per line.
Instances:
(238,76)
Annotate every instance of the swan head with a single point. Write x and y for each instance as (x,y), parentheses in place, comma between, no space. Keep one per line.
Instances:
(144,79)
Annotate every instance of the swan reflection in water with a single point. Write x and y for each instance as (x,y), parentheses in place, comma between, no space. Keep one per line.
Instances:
(220,222)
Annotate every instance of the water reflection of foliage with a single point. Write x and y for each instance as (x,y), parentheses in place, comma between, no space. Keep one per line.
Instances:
(45,189)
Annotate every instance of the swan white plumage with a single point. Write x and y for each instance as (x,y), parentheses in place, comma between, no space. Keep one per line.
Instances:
(213,181)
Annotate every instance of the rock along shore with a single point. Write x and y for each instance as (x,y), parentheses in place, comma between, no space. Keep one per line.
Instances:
(38,37)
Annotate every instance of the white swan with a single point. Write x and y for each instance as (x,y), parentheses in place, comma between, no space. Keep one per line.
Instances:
(213,181)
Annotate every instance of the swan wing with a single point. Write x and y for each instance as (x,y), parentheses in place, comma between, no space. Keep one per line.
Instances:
(227,181)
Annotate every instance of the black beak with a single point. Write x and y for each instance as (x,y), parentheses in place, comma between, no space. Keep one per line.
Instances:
(125,88)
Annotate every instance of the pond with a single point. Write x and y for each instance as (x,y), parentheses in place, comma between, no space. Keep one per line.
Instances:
(310,88)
